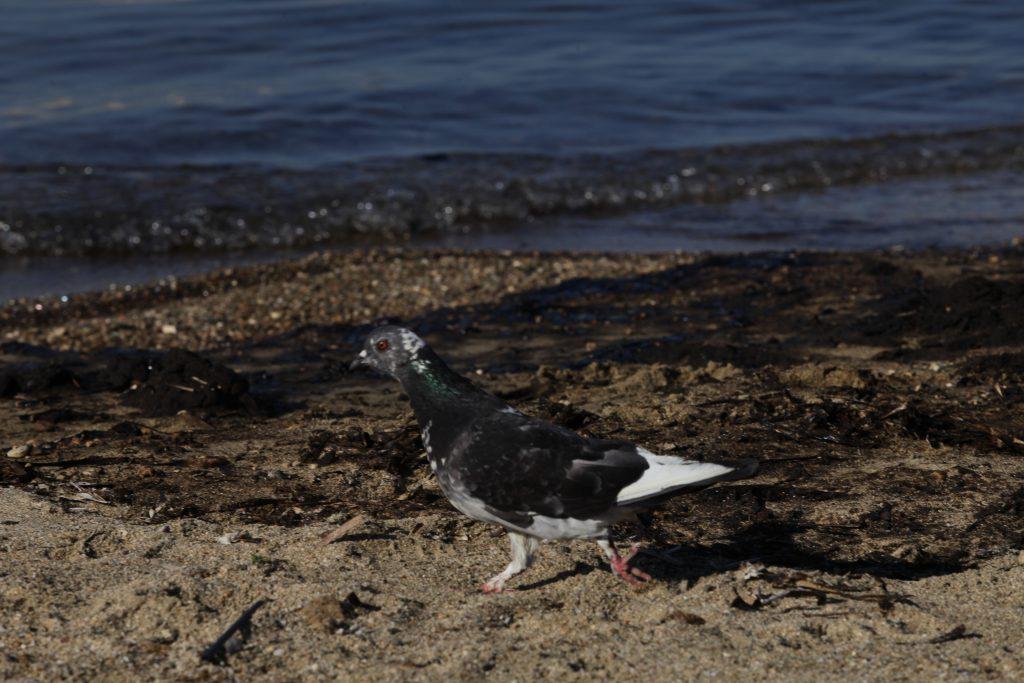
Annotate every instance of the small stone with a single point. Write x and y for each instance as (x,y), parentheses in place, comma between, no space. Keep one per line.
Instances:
(185,421)
(324,613)
(20,451)
(235,537)
(166,636)
(235,643)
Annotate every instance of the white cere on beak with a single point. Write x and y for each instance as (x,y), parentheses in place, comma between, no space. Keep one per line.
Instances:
(362,354)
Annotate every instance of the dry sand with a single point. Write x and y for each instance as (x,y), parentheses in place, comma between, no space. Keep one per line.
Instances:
(881,539)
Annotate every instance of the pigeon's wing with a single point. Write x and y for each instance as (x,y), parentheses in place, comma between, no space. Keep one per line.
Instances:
(519,467)
(635,475)
(669,474)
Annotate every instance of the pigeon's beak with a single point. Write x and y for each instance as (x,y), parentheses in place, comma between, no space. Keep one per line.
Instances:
(359,361)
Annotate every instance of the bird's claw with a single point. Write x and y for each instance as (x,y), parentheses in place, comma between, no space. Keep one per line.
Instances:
(496,588)
(631,575)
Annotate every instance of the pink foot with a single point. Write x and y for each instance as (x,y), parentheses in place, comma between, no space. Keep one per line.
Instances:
(490,588)
(621,567)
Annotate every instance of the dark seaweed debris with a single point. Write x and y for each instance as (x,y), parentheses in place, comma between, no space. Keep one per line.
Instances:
(33,377)
(156,383)
(179,380)
(969,312)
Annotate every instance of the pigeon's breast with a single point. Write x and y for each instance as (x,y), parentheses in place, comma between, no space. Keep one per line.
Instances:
(437,442)
(538,526)
(425,436)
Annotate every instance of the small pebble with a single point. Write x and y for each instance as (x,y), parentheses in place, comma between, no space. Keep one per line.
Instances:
(234,537)
(20,451)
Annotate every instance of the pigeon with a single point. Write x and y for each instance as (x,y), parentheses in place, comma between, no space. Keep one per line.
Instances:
(538,480)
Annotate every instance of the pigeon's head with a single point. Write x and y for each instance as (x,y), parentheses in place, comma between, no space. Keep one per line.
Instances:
(389,349)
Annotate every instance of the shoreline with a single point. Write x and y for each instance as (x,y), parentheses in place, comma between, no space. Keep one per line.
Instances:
(879,390)
(124,296)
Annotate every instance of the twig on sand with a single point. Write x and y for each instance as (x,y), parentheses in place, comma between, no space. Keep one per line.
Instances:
(341,531)
(215,653)
(898,409)
(82,495)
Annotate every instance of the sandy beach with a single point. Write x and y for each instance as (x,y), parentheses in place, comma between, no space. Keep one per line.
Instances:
(174,454)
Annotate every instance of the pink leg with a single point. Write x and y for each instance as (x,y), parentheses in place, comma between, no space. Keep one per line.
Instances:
(620,564)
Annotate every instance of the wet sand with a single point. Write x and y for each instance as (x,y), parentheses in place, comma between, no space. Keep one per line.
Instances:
(881,539)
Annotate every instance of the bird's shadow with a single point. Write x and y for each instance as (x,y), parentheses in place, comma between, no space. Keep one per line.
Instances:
(580,569)
(774,542)
(770,542)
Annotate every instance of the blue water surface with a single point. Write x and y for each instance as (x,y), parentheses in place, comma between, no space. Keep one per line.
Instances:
(305,83)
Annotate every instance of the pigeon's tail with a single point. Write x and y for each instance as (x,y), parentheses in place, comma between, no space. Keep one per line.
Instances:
(667,474)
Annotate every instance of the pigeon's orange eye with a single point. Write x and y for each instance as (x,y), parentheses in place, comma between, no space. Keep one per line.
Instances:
(383,345)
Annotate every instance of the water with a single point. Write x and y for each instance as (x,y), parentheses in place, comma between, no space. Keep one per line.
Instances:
(306,83)
(981,208)
(945,212)
(144,127)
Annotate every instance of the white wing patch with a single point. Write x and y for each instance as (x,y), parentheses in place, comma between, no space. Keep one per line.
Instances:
(666,473)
